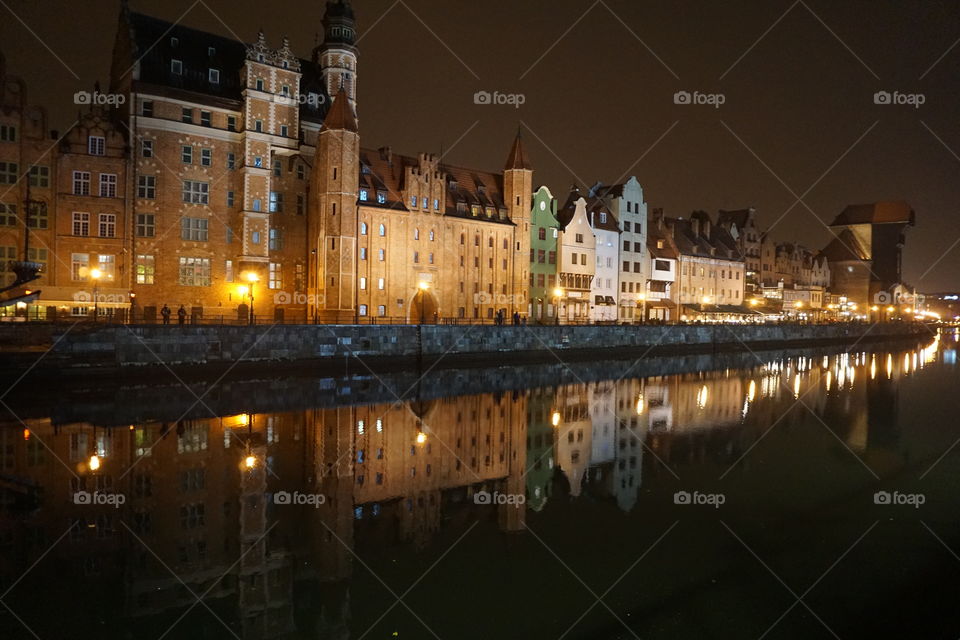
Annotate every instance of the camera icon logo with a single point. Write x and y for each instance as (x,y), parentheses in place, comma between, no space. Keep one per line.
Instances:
(482,497)
(82,97)
(82,497)
(282,497)
(682,97)
(282,297)
(482,97)
(882,497)
(681,497)
(882,297)
(882,97)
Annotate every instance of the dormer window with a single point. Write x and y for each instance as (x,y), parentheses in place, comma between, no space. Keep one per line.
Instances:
(603,217)
(214,76)
(413,201)
(363,195)
(285,64)
(176,67)
(174,42)
(211,51)
(481,189)
(381,197)
(475,210)
(659,244)
(260,57)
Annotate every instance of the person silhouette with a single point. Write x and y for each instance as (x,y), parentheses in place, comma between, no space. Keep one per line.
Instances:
(165,313)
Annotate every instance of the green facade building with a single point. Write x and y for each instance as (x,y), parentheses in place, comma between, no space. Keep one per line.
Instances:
(544,230)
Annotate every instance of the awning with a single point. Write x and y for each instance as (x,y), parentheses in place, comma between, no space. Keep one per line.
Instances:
(729,309)
(661,304)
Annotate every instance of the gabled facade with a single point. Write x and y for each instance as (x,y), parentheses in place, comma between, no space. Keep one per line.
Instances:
(741,224)
(604,291)
(576,264)
(544,235)
(627,204)
(660,301)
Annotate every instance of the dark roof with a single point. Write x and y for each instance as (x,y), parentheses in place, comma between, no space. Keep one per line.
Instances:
(566,212)
(385,171)
(341,116)
(518,156)
(739,217)
(718,244)
(876,213)
(655,233)
(844,248)
(153,50)
(607,191)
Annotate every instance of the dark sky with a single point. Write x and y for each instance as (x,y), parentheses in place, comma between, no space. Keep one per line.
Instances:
(596,99)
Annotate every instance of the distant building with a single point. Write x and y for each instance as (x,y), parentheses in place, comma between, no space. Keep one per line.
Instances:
(577,260)
(866,252)
(544,234)
(660,300)
(711,276)
(741,224)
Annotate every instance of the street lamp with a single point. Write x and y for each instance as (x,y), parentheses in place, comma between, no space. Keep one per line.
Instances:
(252,278)
(557,294)
(642,298)
(423,285)
(95,275)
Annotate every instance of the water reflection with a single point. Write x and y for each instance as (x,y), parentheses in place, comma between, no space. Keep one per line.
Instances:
(131,527)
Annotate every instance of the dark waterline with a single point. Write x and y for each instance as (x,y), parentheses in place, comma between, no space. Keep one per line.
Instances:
(688,497)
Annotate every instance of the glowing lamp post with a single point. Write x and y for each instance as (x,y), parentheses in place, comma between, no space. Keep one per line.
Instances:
(642,299)
(252,278)
(557,294)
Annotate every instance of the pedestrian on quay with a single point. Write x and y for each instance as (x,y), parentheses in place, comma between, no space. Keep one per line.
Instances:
(181,315)
(165,313)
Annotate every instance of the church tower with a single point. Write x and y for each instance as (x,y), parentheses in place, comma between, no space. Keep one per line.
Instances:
(333,221)
(518,197)
(337,56)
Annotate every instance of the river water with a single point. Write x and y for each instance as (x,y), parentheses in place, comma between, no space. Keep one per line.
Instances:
(809,494)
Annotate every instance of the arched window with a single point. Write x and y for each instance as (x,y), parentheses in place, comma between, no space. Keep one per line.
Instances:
(416,233)
(432,235)
(363,228)
(383,230)
(463,239)
(490,242)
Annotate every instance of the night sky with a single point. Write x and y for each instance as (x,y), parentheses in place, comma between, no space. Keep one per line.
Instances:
(598,78)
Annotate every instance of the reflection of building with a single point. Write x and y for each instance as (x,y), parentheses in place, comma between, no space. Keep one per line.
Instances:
(541,434)
(574,435)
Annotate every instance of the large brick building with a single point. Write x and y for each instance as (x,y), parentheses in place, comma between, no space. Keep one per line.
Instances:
(219,163)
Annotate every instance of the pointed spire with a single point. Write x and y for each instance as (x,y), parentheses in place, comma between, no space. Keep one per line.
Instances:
(341,116)
(518,155)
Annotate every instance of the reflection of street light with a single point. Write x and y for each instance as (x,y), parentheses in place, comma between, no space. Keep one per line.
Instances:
(94,462)
(250,462)
(423,285)
(96,274)
(557,294)
(421,437)
(252,278)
